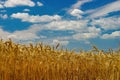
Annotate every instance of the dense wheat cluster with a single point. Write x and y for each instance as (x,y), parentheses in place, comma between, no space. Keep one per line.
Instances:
(42,62)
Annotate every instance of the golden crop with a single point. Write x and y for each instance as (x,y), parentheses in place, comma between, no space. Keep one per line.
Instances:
(43,62)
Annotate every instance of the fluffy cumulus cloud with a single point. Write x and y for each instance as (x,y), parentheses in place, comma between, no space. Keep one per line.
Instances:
(35,19)
(39,4)
(113,35)
(13,3)
(67,25)
(91,32)
(105,10)
(61,25)
(1,6)
(29,34)
(110,23)
(77,13)
(75,9)
(82,36)
(82,32)
(26,36)
(5,16)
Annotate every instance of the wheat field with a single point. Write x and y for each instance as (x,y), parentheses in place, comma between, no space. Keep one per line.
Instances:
(44,62)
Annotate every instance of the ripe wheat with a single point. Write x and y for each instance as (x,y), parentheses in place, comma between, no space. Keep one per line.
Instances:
(43,62)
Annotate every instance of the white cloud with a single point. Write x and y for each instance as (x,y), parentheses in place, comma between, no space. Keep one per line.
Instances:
(94,29)
(14,3)
(75,9)
(64,38)
(67,25)
(26,10)
(23,35)
(80,3)
(39,4)
(113,35)
(77,5)
(80,28)
(5,16)
(55,41)
(91,32)
(3,34)
(110,23)
(29,34)
(77,26)
(1,6)
(84,36)
(105,10)
(77,13)
(35,19)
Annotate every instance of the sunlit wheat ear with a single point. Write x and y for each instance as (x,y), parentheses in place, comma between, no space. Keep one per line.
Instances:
(95,48)
(57,45)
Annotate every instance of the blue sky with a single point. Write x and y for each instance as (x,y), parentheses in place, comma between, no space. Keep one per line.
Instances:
(72,23)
